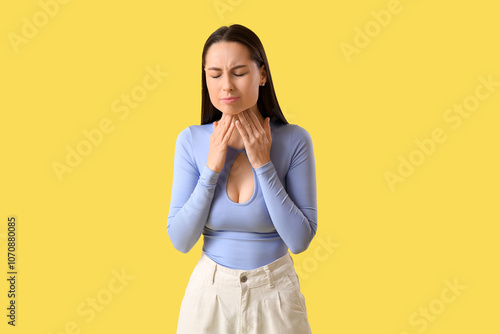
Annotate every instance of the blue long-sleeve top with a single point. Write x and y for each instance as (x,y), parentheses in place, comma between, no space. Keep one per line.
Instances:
(280,215)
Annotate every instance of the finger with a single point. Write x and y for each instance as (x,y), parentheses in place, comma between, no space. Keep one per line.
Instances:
(228,133)
(256,122)
(222,118)
(255,125)
(227,129)
(268,128)
(229,119)
(243,131)
(245,121)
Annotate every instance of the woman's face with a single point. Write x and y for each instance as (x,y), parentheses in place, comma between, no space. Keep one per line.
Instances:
(230,72)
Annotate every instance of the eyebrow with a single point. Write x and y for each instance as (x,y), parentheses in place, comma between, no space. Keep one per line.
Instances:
(233,68)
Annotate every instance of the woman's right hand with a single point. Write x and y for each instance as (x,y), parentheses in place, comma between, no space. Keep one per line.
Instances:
(218,142)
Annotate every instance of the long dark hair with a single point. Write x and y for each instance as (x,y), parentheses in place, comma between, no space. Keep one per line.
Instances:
(267,102)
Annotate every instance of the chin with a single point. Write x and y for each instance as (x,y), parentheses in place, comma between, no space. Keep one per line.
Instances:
(232,111)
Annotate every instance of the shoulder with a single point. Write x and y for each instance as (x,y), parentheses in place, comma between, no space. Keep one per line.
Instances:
(183,138)
(194,133)
(291,140)
(297,135)
(300,133)
(293,130)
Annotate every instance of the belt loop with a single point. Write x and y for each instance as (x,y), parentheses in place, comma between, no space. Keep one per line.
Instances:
(213,276)
(269,276)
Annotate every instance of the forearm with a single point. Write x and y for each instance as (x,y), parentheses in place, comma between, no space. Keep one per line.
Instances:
(293,226)
(185,224)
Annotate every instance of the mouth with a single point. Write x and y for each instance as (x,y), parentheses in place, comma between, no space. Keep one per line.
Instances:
(230,99)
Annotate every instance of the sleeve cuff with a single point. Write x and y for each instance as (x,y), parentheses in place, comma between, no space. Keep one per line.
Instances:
(265,167)
(209,177)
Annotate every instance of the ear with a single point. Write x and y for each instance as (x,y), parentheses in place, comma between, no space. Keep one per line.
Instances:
(263,72)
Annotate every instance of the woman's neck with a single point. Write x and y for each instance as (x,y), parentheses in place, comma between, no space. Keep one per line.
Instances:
(236,140)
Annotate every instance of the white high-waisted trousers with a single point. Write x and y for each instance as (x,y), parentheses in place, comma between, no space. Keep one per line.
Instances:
(265,300)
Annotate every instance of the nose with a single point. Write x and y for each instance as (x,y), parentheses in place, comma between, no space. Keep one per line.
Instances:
(227,84)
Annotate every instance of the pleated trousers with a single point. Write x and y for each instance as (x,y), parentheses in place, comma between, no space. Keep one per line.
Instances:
(265,300)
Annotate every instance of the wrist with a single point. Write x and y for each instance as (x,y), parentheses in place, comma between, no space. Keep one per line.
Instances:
(214,169)
(263,164)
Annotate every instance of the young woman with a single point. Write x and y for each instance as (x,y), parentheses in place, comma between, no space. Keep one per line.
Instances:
(245,179)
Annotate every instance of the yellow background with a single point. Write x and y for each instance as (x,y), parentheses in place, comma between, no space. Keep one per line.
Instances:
(380,256)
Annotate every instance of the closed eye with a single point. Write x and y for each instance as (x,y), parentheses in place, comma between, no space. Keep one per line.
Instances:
(238,75)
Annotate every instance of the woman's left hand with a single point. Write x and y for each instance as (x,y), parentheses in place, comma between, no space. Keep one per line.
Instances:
(257,139)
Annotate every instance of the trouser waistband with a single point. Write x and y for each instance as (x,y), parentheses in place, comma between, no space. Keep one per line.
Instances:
(266,274)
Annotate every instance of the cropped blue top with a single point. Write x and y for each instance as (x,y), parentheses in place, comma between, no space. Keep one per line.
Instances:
(280,215)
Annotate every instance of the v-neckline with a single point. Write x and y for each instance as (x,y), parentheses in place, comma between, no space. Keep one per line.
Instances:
(228,169)
(236,152)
